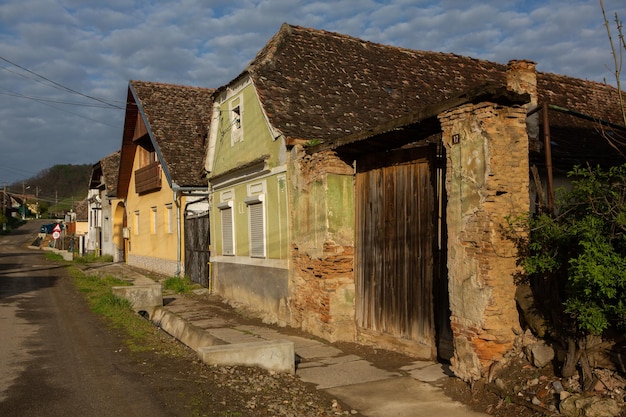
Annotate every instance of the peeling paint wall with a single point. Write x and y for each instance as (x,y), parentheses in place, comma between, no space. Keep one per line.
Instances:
(322,225)
(486,181)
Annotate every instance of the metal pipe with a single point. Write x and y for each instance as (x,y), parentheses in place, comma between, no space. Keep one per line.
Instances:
(548,156)
(178,245)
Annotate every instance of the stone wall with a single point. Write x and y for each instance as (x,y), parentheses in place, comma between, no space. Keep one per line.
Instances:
(486,182)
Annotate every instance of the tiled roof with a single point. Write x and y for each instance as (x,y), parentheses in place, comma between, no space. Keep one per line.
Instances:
(319,85)
(178,118)
(110,166)
(81,208)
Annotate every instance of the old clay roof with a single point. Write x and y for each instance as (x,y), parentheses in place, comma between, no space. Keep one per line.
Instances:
(104,174)
(177,118)
(319,85)
(110,168)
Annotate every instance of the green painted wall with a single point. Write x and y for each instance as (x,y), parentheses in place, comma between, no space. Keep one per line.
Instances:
(325,211)
(340,195)
(257,139)
(275,205)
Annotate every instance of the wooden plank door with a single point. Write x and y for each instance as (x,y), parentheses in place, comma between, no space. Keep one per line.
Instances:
(396,233)
(197,249)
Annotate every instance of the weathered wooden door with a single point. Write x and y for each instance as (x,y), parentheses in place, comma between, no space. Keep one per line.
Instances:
(396,222)
(197,249)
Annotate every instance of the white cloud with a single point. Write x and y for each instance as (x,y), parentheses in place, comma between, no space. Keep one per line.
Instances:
(96,47)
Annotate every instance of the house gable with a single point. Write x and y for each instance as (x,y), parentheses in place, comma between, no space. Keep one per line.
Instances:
(175,121)
(241,133)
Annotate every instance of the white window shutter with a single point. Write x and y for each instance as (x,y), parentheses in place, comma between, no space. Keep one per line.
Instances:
(257,230)
(228,245)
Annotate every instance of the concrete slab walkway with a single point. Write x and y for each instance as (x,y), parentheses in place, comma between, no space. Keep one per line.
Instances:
(412,390)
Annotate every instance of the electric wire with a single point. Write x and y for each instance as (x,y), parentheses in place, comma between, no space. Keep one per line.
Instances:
(54,83)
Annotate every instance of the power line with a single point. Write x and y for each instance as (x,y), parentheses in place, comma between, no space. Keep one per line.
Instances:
(50,100)
(80,115)
(61,85)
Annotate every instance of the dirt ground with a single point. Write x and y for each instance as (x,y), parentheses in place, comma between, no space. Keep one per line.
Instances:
(193,388)
(189,387)
(196,389)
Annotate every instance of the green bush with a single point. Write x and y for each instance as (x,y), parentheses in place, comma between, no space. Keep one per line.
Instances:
(583,247)
(575,262)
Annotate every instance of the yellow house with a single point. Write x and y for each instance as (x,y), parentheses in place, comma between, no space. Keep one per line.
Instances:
(161,180)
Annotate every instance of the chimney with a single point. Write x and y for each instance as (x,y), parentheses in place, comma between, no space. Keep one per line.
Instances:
(521,77)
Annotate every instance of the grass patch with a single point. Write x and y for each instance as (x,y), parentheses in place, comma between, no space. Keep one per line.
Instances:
(142,335)
(52,256)
(91,258)
(178,285)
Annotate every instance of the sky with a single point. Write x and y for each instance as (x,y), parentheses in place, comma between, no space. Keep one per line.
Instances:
(65,64)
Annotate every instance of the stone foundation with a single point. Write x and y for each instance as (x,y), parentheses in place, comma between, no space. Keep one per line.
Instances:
(161,266)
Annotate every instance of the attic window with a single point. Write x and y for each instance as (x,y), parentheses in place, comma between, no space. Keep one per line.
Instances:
(236,117)
(236,125)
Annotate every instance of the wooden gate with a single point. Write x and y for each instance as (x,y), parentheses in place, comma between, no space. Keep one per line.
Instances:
(197,249)
(397,236)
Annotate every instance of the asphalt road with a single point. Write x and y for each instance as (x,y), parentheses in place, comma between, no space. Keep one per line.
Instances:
(56,357)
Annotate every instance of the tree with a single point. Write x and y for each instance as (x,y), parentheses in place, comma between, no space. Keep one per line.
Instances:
(616,138)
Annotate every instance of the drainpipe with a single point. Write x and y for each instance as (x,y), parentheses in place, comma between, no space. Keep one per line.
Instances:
(178,245)
(548,153)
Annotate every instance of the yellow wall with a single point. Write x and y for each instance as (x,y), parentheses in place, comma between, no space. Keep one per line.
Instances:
(150,235)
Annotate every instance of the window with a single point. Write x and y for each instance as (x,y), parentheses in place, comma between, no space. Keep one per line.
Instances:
(256,225)
(228,235)
(153,220)
(146,156)
(168,218)
(236,112)
(136,225)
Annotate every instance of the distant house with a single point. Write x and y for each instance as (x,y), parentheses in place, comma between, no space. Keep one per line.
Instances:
(80,217)
(11,203)
(102,200)
(358,189)
(162,184)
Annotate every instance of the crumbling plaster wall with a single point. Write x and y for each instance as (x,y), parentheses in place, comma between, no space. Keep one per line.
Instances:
(486,181)
(322,261)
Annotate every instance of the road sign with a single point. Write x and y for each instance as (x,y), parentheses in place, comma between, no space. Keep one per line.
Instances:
(56,234)
(57,228)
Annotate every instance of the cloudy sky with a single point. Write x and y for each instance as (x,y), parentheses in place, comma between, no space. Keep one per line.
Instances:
(65,64)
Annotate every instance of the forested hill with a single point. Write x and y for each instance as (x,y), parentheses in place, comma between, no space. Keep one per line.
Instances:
(57,183)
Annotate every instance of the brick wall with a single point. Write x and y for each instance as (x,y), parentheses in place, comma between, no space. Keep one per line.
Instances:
(323,300)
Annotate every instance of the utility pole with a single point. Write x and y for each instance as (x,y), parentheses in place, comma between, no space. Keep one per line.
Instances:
(4,207)
(23,200)
(37,202)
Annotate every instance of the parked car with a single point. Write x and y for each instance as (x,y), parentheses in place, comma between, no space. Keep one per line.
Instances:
(49,228)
